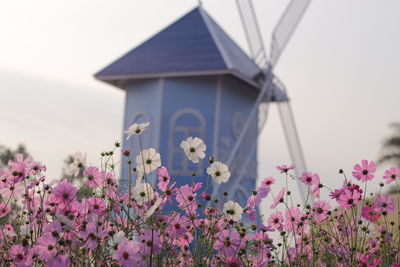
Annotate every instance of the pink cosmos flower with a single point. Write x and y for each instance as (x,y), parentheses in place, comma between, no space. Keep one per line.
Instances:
(309,178)
(7,231)
(268,181)
(233,262)
(364,172)
(284,168)
(46,246)
(257,195)
(54,229)
(348,198)
(97,205)
(127,254)
(126,152)
(64,192)
(385,204)
(177,225)
(250,212)
(17,253)
(292,218)
(315,191)
(373,245)
(205,196)
(227,243)
(163,178)
(94,177)
(320,210)
(149,242)
(186,199)
(92,235)
(5,209)
(391,175)
(279,198)
(276,220)
(336,194)
(108,179)
(370,213)
(196,187)
(11,189)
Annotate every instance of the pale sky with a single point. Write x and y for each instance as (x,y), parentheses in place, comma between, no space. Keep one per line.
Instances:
(340,69)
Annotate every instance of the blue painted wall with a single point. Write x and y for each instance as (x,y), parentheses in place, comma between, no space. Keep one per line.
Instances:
(213,108)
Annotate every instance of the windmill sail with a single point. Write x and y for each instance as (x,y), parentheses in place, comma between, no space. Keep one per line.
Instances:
(286,26)
(252,31)
(281,36)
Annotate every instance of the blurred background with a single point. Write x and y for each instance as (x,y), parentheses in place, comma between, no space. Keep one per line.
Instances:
(340,68)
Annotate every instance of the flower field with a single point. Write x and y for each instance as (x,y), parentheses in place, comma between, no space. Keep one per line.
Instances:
(154,222)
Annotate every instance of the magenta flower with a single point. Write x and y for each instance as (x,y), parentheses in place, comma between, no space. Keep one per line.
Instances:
(348,198)
(163,178)
(54,229)
(5,209)
(279,198)
(364,172)
(370,213)
(187,200)
(17,253)
(310,178)
(276,220)
(391,175)
(385,204)
(92,236)
(257,195)
(94,177)
(127,254)
(228,243)
(315,191)
(97,205)
(292,218)
(149,242)
(285,169)
(11,189)
(46,246)
(268,181)
(64,192)
(177,226)
(336,194)
(233,262)
(108,179)
(320,211)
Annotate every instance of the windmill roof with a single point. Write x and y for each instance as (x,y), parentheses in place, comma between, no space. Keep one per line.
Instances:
(193,45)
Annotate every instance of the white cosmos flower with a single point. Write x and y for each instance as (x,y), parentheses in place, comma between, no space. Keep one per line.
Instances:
(79,162)
(233,210)
(116,239)
(143,193)
(153,208)
(136,129)
(148,161)
(194,148)
(219,172)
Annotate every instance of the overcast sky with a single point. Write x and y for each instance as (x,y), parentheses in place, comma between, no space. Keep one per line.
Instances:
(341,69)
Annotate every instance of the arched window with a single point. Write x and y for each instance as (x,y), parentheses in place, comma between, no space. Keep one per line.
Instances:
(145,137)
(183,124)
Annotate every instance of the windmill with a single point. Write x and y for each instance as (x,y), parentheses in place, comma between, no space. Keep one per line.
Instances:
(269,84)
(192,79)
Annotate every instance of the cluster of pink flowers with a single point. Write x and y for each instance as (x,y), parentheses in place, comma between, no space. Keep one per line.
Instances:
(57,223)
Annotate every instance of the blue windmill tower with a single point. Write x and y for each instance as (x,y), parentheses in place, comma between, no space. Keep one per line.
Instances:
(191,79)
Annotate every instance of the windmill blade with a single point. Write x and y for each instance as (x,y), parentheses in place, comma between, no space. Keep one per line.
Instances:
(286,26)
(252,31)
(292,139)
